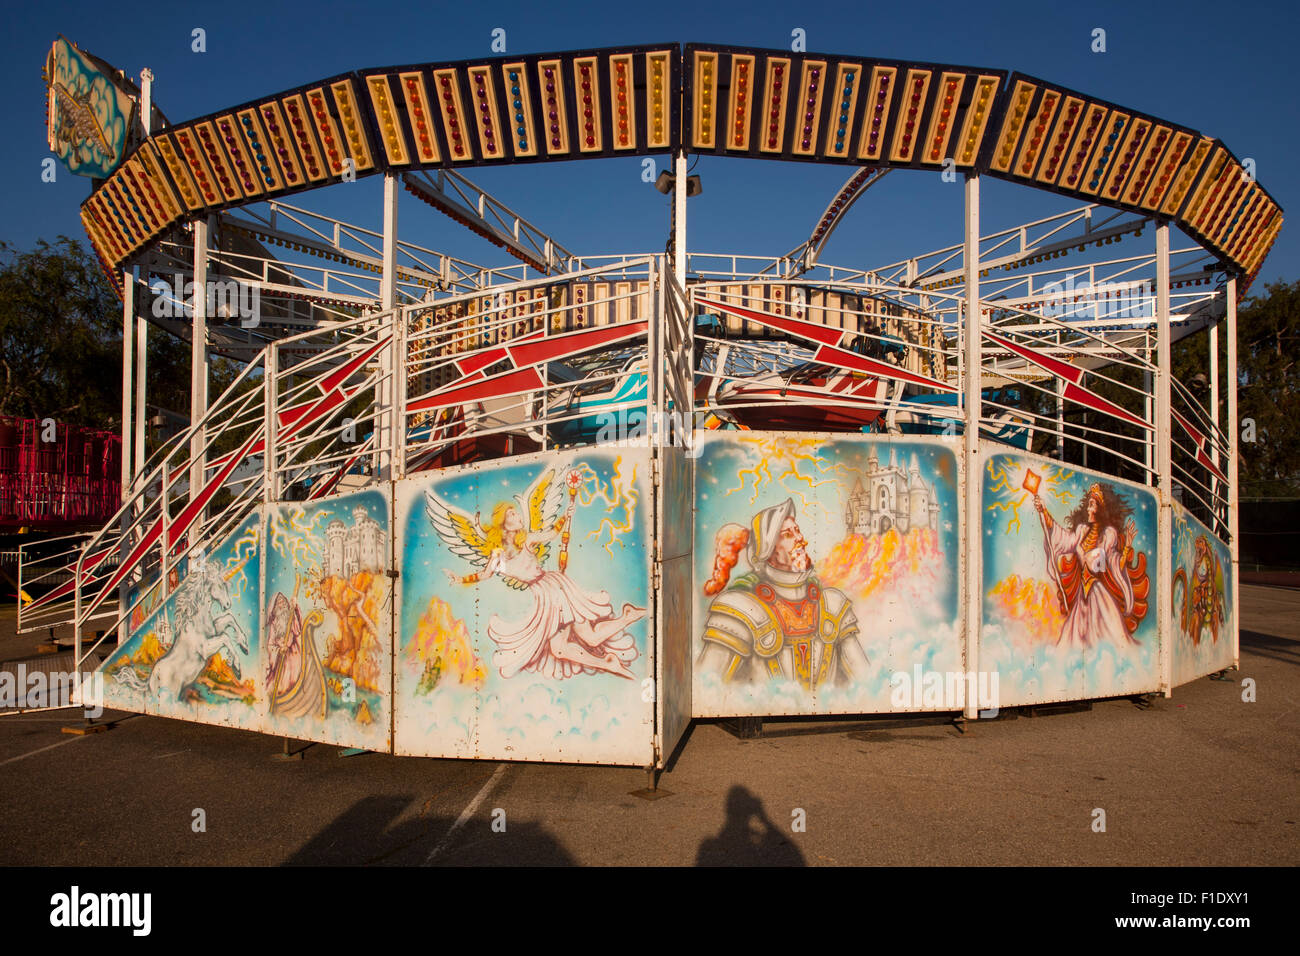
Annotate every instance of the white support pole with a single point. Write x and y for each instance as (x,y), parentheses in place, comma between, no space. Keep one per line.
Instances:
(198,365)
(146,100)
(128,366)
(142,326)
(388,281)
(1148,409)
(1164,463)
(1234,460)
(1060,420)
(973,359)
(386,425)
(127,473)
(141,379)
(656,342)
(270,493)
(679,219)
(397,468)
(1215,490)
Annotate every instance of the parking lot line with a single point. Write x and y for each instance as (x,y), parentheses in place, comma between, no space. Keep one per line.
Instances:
(468,813)
(40,750)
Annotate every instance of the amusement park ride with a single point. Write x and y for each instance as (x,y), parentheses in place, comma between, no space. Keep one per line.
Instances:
(554,511)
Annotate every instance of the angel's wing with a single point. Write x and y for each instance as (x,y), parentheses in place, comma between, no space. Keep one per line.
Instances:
(541,504)
(462,534)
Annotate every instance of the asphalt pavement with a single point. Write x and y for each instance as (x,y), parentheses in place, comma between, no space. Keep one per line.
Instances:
(1201,778)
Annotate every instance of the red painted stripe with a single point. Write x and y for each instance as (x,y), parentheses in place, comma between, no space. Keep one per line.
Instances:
(525,353)
(804,329)
(1194,433)
(1208,462)
(572,343)
(520,380)
(493,354)
(323,406)
(829,339)
(1071,375)
(1063,370)
(181,525)
(1199,438)
(92,561)
(1082,396)
(341,375)
(829,355)
(132,559)
(334,479)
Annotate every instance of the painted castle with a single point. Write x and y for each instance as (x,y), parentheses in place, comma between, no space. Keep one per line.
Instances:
(891,497)
(358,548)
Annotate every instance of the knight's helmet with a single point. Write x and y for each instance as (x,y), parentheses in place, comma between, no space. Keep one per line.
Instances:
(766,531)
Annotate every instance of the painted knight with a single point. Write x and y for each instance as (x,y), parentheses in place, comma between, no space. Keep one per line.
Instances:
(777,622)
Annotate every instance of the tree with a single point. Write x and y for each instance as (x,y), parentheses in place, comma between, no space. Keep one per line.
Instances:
(1268,413)
(59,349)
(61,342)
(1268,391)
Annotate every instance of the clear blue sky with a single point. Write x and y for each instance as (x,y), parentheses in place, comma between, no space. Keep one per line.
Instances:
(1228,70)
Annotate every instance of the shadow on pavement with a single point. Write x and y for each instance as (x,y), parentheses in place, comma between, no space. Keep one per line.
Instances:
(1282,649)
(365,835)
(748,837)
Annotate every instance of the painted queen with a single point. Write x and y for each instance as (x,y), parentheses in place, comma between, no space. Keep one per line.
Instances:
(1101,582)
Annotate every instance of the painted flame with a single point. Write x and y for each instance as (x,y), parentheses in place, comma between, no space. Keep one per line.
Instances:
(1031,602)
(864,565)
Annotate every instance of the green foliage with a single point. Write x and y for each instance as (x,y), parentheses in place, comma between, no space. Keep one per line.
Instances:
(60,336)
(61,342)
(1268,391)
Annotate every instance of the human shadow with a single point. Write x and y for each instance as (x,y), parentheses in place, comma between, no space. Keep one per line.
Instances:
(748,837)
(1284,649)
(366,834)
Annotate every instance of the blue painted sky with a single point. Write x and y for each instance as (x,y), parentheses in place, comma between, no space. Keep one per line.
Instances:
(1227,70)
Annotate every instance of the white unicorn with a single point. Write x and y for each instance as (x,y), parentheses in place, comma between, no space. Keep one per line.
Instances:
(199,635)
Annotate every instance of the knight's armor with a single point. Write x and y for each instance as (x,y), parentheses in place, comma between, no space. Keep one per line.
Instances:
(783,626)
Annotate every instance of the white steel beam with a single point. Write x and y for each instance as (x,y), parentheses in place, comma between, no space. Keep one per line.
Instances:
(1164,462)
(679,219)
(385,426)
(973,362)
(1234,461)
(1215,490)
(198,360)
(451,193)
(127,472)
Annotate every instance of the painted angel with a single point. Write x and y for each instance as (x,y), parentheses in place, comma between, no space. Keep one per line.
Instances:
(570,630)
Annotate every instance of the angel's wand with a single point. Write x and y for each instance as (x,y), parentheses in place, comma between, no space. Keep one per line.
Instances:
(1031,485)
(574,481)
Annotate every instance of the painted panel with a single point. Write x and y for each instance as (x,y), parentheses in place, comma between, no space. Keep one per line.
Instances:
(1203,618)
(327,621)
(1069,582)
(826,574)
(676,518)
(89,118)
(524,592)
(195,656)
